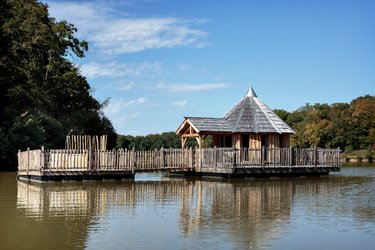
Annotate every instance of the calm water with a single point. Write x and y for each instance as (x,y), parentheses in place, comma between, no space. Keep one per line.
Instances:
(157,212)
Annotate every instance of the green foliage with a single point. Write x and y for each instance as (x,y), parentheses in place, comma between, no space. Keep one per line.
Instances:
(348,126)
(42,94)
(149,142)
(157,141)
(370,153)
(283,114)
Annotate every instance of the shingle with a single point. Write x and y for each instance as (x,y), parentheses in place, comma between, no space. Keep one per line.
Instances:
(206,124)
(250,115)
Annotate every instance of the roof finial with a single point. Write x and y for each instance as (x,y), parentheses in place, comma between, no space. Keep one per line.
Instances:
(251,93)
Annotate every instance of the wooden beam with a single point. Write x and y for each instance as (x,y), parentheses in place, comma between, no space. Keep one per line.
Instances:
(189,135)
(183,142)
(186,126)
(199,140)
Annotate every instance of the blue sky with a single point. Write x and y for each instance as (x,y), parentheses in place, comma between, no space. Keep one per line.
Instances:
(160,60)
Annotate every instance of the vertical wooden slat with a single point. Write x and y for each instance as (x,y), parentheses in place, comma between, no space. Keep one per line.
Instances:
(78,159)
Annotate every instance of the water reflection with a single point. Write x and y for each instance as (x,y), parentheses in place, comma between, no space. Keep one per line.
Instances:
(249,213)
(39,200)
(235,214)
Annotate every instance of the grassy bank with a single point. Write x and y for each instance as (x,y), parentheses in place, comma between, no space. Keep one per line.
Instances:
(367,155)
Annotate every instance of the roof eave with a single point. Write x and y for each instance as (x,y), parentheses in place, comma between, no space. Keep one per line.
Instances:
(186,121)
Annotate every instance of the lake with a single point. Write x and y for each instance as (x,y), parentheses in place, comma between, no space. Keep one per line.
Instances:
(159,212)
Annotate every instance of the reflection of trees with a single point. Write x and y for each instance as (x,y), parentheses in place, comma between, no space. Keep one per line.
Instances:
(362,205)
(353,193)
(250,212)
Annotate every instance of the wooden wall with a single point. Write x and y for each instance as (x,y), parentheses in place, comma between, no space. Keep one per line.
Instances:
(236,141)
(274,140)
(255,140)
(285,141)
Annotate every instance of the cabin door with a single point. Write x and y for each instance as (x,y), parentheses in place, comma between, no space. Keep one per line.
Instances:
(244,144)
(244,141)
(264,143)
(228,141)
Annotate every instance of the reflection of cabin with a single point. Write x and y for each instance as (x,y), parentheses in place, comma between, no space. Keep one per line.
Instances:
(249,124)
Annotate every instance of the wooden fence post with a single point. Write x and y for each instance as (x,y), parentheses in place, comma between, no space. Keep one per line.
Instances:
(28,160)
(134,160)
(191,158)
(19,167)
(42,160)
(90,166)
(162,159)
(290,156)
(263,154)
(215,156)
(200,158)
(315,157)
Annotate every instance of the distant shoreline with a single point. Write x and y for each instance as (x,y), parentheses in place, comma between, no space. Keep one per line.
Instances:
(357,156)
(355,160)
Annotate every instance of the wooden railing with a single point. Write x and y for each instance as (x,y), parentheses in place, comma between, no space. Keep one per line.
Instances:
(200,160)
(268,157)
(62,160)
(31,161)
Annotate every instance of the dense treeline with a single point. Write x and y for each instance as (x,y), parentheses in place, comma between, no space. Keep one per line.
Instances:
(152,141)
(42,93)
(156,141)
(348,126)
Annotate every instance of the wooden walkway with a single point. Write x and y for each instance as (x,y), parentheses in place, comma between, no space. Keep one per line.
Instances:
(117,164)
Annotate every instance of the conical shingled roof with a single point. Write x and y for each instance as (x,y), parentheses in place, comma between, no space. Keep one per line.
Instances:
(252,115)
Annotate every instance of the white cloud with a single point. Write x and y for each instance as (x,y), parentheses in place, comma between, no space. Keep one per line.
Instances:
(191,87)
(139,101)
(106,30)
(179,103)
(124,86)
(117,106)
(116,69)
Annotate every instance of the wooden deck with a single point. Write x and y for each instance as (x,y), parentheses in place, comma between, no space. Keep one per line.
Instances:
(226,162)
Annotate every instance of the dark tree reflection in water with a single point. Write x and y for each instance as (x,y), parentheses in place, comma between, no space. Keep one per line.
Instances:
(155,211)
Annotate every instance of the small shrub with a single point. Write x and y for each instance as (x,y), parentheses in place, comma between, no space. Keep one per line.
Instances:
(370,154)
(349,149)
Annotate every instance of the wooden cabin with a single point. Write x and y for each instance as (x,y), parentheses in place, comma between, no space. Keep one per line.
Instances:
(249,124)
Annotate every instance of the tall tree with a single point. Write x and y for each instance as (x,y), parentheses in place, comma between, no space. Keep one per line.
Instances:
(42,93)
